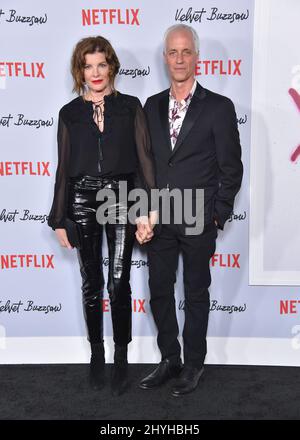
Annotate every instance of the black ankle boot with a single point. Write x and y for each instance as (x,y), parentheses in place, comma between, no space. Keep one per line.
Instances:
(119,379)
(97,365)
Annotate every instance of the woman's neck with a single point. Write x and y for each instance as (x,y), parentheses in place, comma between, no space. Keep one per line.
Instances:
(97,96)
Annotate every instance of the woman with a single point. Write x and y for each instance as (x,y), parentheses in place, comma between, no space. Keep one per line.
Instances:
(102,140)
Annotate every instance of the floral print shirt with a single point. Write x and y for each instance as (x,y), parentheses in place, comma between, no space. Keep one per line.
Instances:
(177,112)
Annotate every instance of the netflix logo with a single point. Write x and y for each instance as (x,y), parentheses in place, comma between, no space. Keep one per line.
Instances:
(138,305)
(26,261)
(289,306)
(14,69)
(218,67)
(226,260)
(24,168)
(92,17)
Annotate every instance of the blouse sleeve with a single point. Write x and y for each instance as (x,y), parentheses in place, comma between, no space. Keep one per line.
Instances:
(57,215)
(145,177)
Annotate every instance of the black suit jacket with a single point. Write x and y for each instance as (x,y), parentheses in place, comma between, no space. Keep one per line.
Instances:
(207,154)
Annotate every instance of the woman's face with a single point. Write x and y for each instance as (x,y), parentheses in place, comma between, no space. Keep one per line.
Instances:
(96,72)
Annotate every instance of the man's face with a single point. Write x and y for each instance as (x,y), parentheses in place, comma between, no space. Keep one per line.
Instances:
(180,55)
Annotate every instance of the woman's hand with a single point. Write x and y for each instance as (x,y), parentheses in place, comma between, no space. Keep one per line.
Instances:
(63,238)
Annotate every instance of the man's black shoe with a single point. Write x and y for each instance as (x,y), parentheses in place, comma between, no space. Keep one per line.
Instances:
(163,372)
(187,381)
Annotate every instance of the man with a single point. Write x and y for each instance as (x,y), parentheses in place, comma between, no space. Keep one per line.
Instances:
(196,144)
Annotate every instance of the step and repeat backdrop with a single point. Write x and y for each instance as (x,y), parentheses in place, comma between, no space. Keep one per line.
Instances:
(248,52)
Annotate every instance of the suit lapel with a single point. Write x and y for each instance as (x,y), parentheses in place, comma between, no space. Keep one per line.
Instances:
(164,117)
(193,112)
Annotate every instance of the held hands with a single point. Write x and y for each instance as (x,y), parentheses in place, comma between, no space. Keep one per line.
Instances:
(144,232)
(145,227)
(62,238)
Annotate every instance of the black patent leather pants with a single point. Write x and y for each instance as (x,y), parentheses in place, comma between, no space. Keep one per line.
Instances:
(82,207)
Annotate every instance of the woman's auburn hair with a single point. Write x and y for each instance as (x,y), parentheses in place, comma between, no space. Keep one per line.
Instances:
(92,45)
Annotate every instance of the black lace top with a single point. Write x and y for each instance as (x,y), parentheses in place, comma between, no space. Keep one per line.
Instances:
(123,147)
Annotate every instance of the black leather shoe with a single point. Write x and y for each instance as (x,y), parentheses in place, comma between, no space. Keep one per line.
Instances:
(119,379)
(162,373)
(187,381)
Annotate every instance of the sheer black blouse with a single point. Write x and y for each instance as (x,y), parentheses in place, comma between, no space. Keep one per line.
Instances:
(123,147)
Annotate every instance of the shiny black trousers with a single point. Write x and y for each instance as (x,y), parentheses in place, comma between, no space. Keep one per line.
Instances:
(82,208)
